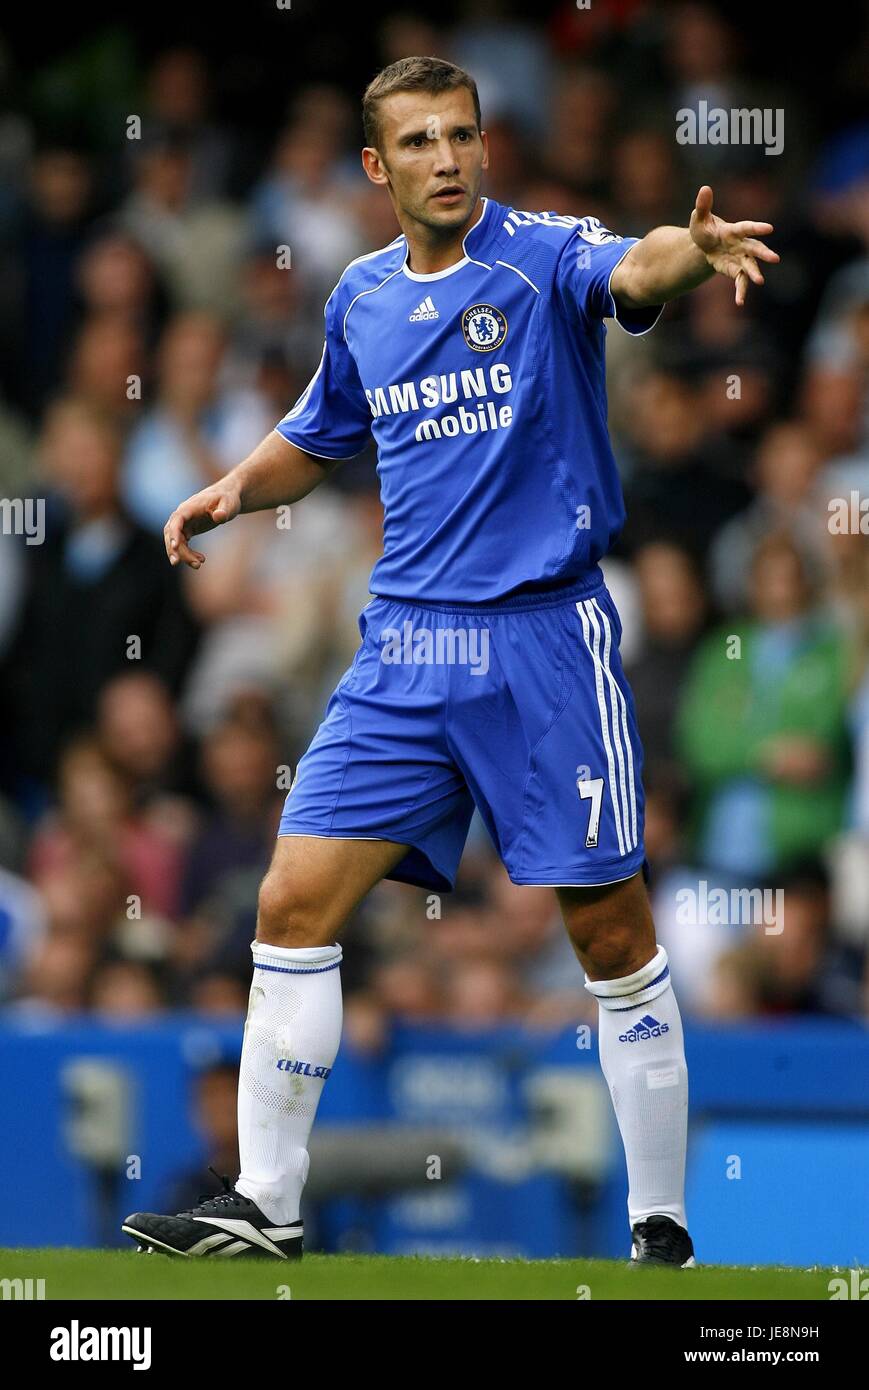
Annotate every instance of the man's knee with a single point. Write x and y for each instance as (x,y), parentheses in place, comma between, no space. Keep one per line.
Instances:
(291,914)
(617,953)
(610,927)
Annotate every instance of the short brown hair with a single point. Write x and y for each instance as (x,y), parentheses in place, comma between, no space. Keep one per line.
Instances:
(413,75)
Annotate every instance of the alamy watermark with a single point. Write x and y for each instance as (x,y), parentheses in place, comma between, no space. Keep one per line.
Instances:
(443,646)
(78,1343)
(23,516)
(856,1286)
(849,516)
(23,1289)
(715,125)
(731,907)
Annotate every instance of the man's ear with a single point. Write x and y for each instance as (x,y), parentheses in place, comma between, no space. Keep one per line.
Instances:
(374,166)
(485,139)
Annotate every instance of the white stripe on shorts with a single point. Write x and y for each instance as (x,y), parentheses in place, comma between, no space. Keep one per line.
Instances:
(588,619)
(623,707)
(597,631)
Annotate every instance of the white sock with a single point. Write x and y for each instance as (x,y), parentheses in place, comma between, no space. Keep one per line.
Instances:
(642,1054)
(291,1038)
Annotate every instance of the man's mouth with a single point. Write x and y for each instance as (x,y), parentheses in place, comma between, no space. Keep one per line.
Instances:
(451,194)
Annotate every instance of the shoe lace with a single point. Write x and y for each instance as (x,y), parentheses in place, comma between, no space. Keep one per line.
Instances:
(657,1237)
(227,1198)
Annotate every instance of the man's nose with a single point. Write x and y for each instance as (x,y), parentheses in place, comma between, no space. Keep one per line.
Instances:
(445,157)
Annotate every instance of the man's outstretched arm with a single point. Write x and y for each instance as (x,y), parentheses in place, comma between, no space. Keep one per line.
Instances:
(274,474)
(669,261)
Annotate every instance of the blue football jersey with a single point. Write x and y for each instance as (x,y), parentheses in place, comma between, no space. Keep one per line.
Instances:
(484,388)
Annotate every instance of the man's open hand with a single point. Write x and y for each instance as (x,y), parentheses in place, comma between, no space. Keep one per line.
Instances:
(211,507)
(731,248)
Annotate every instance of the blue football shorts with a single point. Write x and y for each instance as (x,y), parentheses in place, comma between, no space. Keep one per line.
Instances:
(519,708)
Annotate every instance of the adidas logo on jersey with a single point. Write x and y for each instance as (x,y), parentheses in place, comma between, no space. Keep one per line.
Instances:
(646,1027)
(424,311)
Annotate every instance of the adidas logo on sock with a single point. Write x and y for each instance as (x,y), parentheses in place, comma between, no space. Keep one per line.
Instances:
(424,311)
(644,1028)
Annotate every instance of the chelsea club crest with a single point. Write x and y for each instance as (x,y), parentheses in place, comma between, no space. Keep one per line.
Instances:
(484,327)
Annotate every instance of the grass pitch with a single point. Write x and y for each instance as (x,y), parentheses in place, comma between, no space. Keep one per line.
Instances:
(120,1275)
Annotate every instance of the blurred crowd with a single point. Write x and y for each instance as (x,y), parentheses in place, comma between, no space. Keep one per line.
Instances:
(162,300)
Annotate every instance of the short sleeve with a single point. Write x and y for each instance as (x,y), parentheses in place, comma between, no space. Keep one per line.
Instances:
(585,270)
(332,417)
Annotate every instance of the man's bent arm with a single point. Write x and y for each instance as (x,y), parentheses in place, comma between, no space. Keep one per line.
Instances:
(275,474)
(669,261)
(666,263)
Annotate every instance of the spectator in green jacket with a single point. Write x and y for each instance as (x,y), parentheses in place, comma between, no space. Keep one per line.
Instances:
(762,726)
